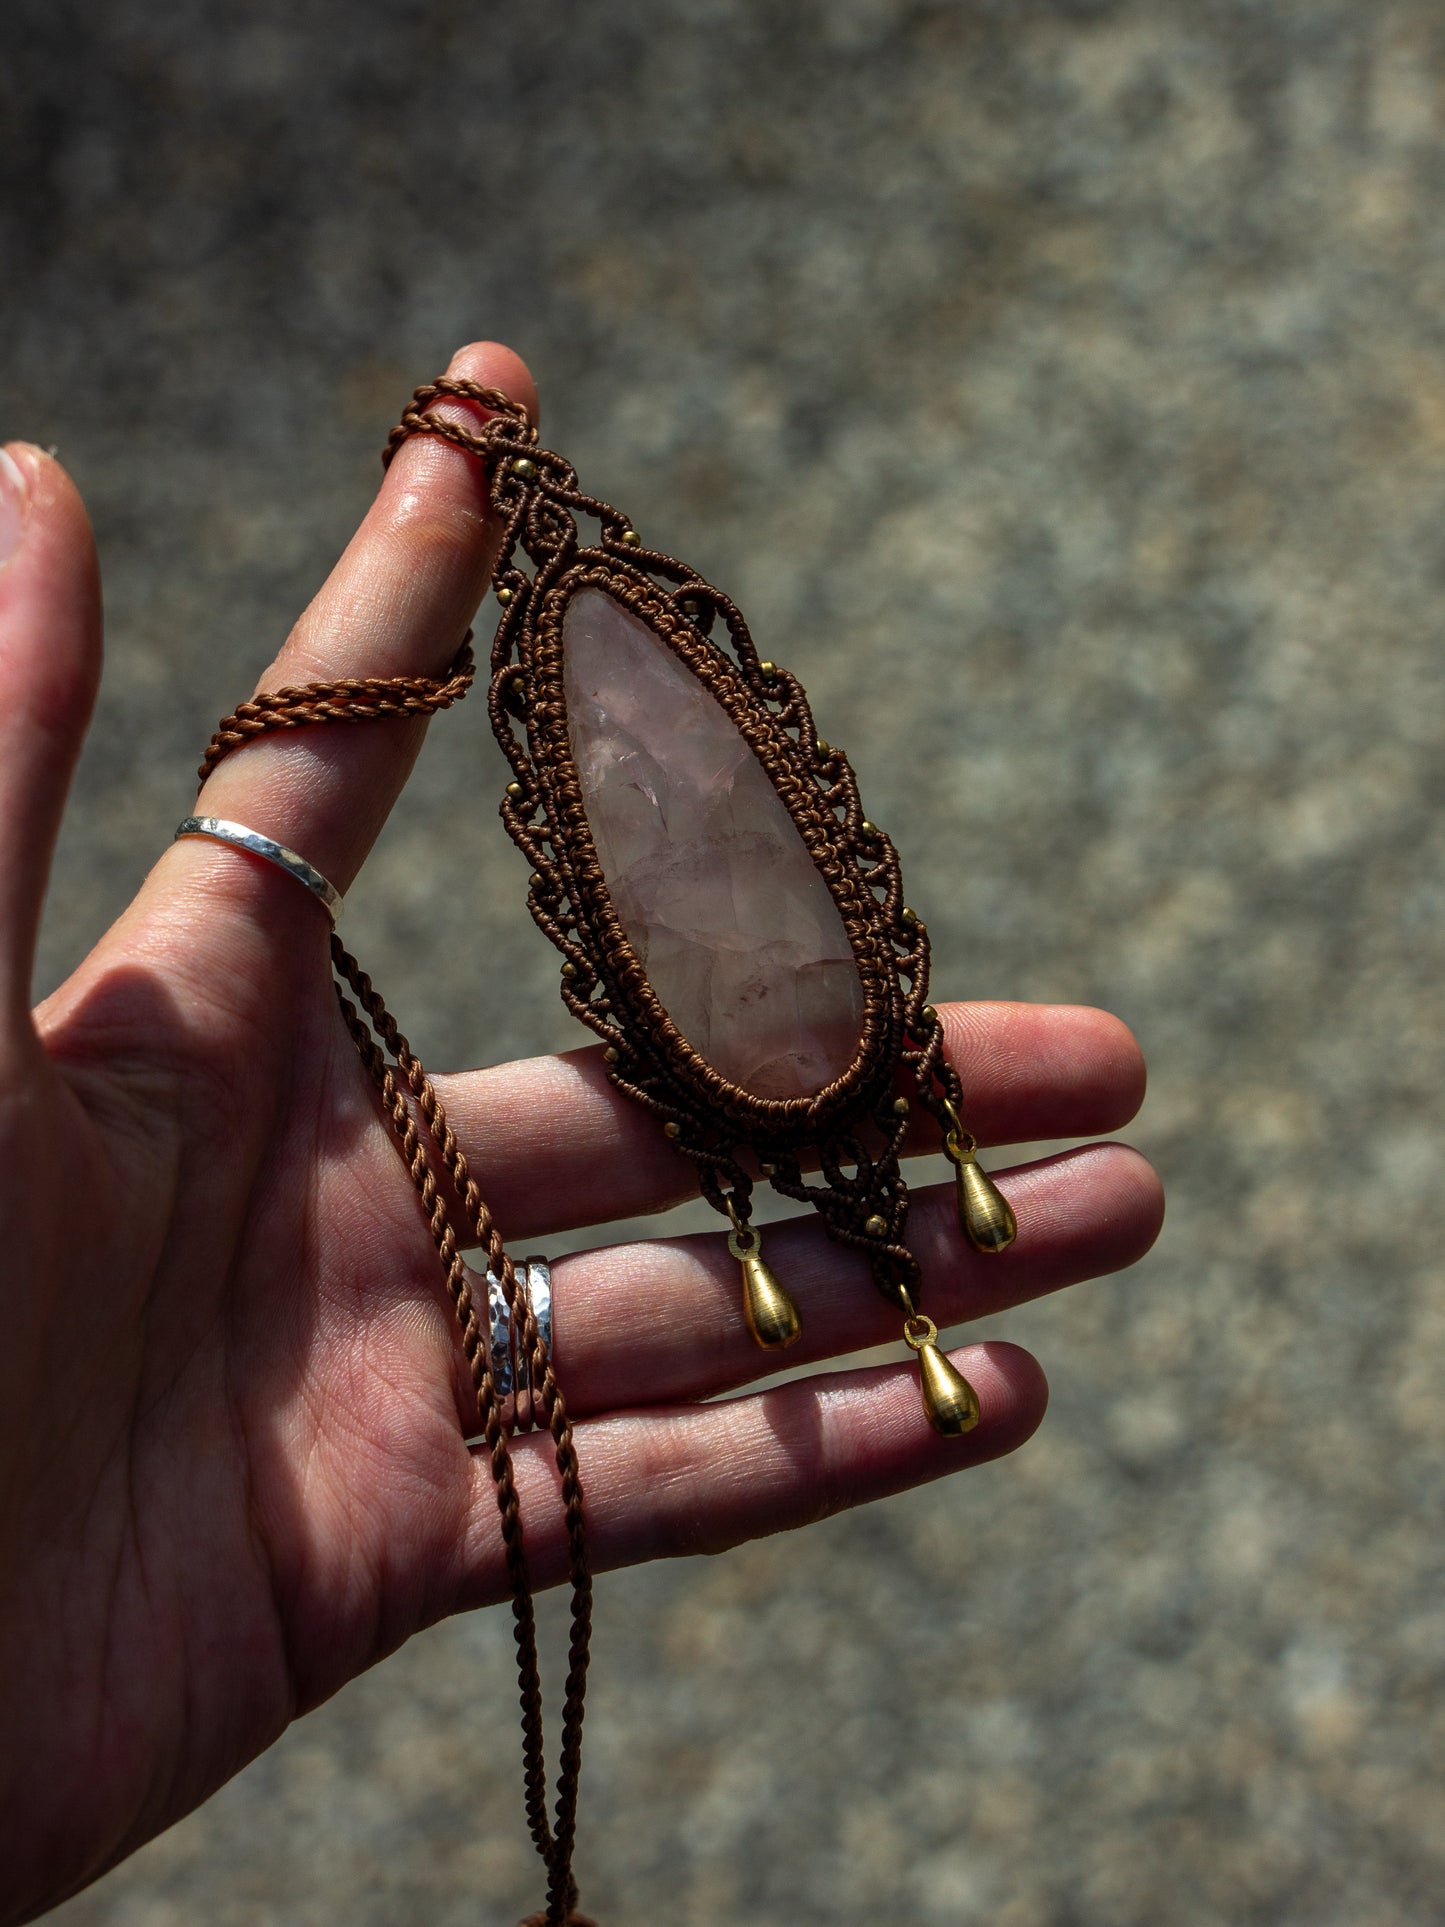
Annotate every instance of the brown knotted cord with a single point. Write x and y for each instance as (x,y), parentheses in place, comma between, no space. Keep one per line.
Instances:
(857,1123)
(351,699)
(384,1052)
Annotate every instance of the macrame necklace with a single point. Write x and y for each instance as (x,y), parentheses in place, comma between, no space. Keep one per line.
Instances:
(731,925)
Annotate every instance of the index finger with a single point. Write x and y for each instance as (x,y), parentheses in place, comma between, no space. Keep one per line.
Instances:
(397,603)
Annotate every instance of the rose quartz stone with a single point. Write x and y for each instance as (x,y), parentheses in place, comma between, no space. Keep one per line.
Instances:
(737,930)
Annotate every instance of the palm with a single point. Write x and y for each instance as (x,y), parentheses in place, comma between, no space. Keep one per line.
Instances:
(232,1460)
(241,1439)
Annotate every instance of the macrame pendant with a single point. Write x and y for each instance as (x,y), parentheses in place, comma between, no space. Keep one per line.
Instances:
(731,924)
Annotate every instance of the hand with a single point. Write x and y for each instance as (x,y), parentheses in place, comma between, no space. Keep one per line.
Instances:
(232,1460)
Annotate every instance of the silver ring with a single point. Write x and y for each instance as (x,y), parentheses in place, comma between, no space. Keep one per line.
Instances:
(252,841)
(509,1369)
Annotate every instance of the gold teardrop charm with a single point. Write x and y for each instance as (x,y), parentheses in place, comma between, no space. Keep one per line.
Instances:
(983,1210)
(984,1213)
(949,1400)
(771,1315)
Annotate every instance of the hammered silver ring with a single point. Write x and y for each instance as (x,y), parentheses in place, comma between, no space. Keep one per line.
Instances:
(221,830)
(510,1370)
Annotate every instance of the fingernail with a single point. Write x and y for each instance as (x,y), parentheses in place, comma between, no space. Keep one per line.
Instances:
(14,504)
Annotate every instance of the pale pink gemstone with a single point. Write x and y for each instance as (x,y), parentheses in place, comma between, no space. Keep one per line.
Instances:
(737,930)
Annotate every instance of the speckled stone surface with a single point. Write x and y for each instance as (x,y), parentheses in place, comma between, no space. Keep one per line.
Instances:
(1061,391)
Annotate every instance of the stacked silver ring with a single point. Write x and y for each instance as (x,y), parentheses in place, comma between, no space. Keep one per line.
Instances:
(511,1370)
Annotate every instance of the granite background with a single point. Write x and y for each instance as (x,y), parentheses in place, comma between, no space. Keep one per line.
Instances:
(1061,390)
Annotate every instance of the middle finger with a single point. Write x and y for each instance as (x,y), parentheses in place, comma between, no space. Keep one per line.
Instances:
(554,1146)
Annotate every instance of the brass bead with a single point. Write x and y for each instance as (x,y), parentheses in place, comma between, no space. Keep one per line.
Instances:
(612,1055)
(534,882)
(876,1226)
(516,792)
(569,970)
(900,1107)
(768,669)
(928,1015)
(768,1170)
(824,749)
(690,607)
(505,595)
(865,828)
(672,1128)
(524,468)
(908,916)
(631,538)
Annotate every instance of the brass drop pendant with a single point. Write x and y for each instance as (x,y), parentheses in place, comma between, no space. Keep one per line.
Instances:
(984,1213)
(949,1400)
(771,1315)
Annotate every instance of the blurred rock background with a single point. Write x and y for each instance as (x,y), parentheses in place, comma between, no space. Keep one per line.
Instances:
(1061,390)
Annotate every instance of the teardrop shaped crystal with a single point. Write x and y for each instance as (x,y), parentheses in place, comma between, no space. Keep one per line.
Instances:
(729,915)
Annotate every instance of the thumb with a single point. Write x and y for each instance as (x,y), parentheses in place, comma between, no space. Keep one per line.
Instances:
(49,667)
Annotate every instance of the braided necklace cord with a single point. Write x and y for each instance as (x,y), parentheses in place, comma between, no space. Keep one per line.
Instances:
(856,1123)
(407,1095)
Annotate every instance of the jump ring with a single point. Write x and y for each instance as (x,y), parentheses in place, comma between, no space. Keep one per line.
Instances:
(919,1330)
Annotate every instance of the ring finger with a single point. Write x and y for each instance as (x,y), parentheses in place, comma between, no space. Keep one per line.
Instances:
(654,1323)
